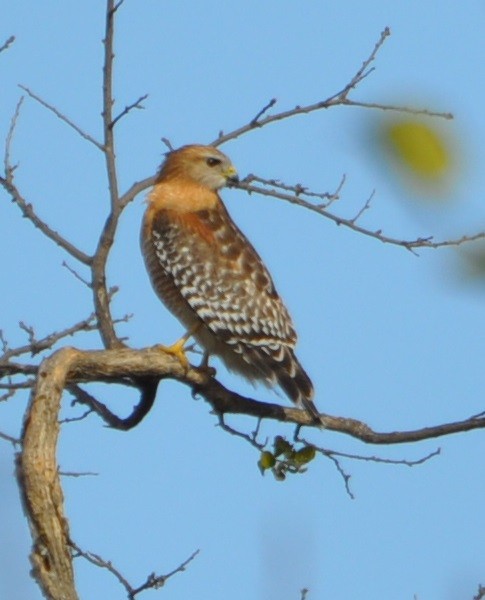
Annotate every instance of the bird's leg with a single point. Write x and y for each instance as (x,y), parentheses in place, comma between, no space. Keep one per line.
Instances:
(204,364)
(178,348)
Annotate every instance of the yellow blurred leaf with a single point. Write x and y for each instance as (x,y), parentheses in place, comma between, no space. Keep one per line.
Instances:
(420,147)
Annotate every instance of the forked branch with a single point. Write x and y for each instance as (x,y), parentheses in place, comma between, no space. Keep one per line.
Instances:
(37,465)
(341,98)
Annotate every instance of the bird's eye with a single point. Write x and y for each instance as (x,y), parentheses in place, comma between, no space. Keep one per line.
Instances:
(212,162)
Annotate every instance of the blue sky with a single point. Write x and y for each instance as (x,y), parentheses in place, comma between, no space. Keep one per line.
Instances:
(387,337)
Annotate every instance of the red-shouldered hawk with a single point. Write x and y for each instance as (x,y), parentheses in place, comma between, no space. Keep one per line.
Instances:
(209,275)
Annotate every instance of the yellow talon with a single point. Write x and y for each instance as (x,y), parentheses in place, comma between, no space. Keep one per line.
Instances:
(177,350)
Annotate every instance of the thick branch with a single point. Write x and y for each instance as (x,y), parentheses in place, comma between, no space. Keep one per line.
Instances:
(226,401)
(37,467)
(40,485)
(125,363)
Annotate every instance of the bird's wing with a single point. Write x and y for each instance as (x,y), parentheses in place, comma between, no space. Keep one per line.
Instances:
(221,276)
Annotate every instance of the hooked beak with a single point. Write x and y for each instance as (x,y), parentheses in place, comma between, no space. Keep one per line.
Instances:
(231,176)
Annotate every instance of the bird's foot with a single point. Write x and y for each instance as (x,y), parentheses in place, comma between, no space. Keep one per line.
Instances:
(178,350)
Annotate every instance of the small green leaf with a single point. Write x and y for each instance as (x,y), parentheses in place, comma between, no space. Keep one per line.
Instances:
(266,461)
(304,455)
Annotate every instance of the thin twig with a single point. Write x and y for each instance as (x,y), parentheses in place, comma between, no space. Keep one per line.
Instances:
(298,189)
(7,43)
(426,112)
(8,142)
(29,213)
(365,207)
(9,438)
(62,117)
(9,369)
(153,581)
(265,109)
(334,456)
(137,104)
(14,387)
(157,581)
(167,143)
(251,438)
(78,474)
(85,414)
(363,72)
(346,477)
(96,560)
(75,274)
(39,345)
(380,459)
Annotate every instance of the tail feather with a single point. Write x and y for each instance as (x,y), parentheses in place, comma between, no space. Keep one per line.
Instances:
(294,381)
(279,366)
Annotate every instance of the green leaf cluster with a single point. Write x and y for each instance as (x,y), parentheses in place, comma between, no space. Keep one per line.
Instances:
(285,458)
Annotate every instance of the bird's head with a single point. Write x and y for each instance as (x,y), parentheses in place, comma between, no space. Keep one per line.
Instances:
(204,165)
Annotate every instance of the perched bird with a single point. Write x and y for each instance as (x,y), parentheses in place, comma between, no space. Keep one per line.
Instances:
(212,279)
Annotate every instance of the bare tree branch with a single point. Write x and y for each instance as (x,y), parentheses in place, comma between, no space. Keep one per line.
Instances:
(75,274)
(63,117)
(8,168)
(8,438)
(106,239)
(120,365)
(29,213)
(410,245)
(27,210)
(137,104)
(39,345)
(135,189)
(338,99)
(11,388)
(9,369)
(108,101)
(38,477)
(265,109)
(298,189)
(153,581)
